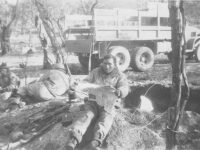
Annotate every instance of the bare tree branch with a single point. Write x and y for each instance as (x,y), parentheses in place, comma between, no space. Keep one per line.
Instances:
(50,30)
(92,7)
(83,7)
(14,14)
(60,30)
(186,87)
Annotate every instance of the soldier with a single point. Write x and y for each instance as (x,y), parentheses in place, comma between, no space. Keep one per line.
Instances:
(9,83)
(52,84)
(107,74)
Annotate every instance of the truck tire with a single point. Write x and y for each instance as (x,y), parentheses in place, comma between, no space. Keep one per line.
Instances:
(84,61)
(123,56)
(142,59)
(197,54)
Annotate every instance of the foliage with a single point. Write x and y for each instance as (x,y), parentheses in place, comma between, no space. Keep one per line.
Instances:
(192,12)
(26,13)
(7,12)
(8,17)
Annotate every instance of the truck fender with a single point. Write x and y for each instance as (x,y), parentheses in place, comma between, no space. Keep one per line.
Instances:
(196,43)
(192,43)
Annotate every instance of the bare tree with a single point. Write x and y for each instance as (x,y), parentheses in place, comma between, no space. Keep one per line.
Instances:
(44,42)
(50,29)
(52,14)
(87,6)
(192,12)
(6,26)
(177,19)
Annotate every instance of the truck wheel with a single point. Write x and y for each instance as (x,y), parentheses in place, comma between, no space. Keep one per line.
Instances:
(142,59)
(197,54)
(122,55)
(84,61)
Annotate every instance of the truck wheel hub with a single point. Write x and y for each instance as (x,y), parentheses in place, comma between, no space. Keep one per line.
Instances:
(144,59)
(120,58)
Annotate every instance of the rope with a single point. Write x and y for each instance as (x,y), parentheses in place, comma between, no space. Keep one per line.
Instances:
(148,91)
(150,88)
(152,120)
(145,126)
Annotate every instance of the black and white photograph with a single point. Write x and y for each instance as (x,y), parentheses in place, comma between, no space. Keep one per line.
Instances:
(99,74)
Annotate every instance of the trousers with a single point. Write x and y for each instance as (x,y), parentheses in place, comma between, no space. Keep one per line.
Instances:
(102,126)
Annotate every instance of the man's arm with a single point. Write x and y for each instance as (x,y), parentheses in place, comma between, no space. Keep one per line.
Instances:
(90,78)
(123,86)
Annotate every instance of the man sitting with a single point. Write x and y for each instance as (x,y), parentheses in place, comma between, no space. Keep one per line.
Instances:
(9,83)
(106,74)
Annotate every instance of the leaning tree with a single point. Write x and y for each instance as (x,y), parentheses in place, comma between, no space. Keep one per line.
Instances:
(50,20)
(7,19)
(179,93)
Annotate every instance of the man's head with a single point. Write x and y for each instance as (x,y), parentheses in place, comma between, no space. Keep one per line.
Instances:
(109,63)
(4,69)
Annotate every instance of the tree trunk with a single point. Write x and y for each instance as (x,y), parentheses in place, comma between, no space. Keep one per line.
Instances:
(44,42)
(55,44)
(7,30)
(5,40)
(49,27)
(46,63)
(178,71)
(176,74)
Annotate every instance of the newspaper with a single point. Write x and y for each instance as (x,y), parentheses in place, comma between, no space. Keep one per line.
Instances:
(104,95)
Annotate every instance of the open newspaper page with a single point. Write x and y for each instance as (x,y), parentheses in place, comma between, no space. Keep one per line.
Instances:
(104,95)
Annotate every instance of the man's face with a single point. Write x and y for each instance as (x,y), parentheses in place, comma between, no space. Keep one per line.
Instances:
(3,72)
(108,65)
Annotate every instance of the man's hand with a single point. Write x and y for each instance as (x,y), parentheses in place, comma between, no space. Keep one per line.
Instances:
(74,84)
(109,88)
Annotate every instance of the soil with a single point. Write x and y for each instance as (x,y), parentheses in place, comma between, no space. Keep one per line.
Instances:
(132,128)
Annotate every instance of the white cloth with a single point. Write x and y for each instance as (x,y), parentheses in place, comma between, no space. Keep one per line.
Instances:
(5,96)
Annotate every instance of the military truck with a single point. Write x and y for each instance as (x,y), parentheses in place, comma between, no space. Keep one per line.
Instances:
(133,36)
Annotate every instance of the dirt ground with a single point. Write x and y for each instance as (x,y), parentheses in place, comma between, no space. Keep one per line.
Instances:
(132,128)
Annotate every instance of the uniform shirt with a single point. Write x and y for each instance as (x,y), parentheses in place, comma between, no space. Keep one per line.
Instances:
(9,82)
(116,79)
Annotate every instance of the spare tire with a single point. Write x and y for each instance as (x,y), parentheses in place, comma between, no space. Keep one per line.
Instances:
(84,61)
(142,59)
(123,56)
(197,54)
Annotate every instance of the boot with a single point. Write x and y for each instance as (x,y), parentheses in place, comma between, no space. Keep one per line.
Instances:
(72,144)
(94,145)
